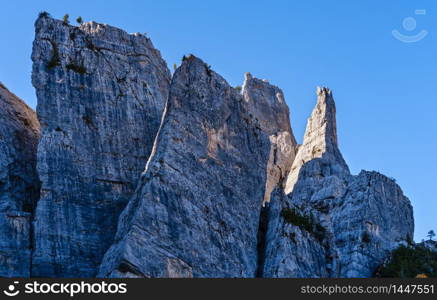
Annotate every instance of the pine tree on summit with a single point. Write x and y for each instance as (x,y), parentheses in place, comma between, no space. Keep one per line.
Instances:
(431,234)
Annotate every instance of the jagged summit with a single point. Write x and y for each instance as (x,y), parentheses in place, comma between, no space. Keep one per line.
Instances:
(101,94)
(144,174)
(328,223)
(88,26)
(320,139)
(267,105)
(195,212)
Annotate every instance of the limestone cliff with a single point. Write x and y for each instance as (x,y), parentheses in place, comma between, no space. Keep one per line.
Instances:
(140,174)
(19,185)
(196,211)
(332,223)
(266,103)
(101,93)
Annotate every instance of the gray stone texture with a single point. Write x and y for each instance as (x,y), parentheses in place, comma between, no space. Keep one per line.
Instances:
(197,209)
(19,185)
(101,93)
(357,220)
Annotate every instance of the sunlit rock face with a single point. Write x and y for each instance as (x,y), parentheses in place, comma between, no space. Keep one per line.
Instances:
(19,184)
(327,222)
(266,104)
(101,94)
(197,210)
(320,139)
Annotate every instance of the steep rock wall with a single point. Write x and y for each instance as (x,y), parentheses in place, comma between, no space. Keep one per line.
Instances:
(19,184)
(101,93)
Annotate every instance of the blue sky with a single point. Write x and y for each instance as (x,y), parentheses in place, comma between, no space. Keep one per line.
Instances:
(385,89)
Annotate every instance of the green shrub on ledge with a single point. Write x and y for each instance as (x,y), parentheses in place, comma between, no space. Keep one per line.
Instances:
(410,262)
(306,223)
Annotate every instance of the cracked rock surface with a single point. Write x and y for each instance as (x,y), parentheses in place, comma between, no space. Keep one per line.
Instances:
(331,223)
(19,185)
(101,93)
(197,209)
(139,174)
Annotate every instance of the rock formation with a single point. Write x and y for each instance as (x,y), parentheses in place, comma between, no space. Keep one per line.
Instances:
(19,185)
(320,139)
(140,174)
(332,223)
(101,93)
(196,212)
(266,103)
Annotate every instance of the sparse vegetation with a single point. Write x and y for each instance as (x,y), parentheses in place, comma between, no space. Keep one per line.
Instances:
(88,120)
(65,19)
(365,238)
(238,88)
(54,61)
(175,66)
(90,45)
(410,262)
(431,234)
(208,69)
(186,57)
(44,14)
(76,68)
(306,223)
(79,20)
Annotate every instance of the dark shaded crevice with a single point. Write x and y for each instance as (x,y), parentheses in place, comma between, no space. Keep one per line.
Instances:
(261,246)
(32,242)
(126,267)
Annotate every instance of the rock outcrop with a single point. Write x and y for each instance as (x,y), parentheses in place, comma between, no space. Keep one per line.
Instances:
(267,104)
(101,93)
(197,210)
(140,174)
(19,185)
(320,139)
(333,224)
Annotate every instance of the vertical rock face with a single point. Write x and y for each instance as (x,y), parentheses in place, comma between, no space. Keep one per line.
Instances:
(379,219)
(266,103)
(328,222)
(197,209)
(101,93)
(19,185)
(320,139)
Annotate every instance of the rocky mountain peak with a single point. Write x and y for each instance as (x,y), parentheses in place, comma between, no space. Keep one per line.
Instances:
(320,139)
(137,173)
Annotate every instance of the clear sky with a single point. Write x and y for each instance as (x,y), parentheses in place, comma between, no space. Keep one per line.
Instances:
(385,89)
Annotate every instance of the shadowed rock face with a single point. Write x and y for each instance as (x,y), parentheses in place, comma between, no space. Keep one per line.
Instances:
(355,220)
(197,209)
(19,184)
(101,93)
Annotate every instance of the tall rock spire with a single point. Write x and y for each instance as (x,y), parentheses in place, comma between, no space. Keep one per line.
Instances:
(19,184)
(331,223)
(101,93)
(320,139)
(267,105)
